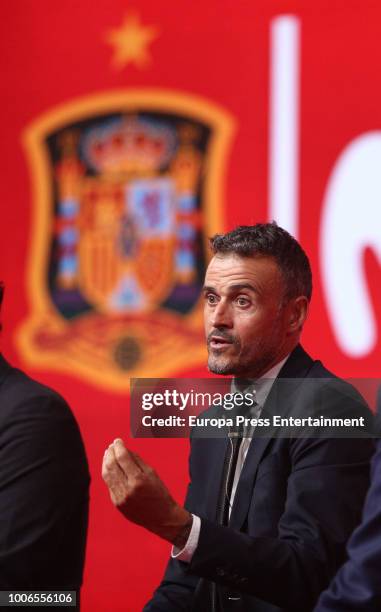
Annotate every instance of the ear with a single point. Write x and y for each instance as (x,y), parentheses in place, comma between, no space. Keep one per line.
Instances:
(298,309)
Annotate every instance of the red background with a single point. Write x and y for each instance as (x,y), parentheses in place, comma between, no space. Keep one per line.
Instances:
(54,52)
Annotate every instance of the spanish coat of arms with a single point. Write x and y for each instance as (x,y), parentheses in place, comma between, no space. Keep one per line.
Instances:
(127,187)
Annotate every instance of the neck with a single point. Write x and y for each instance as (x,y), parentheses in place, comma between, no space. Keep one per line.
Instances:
(260,369)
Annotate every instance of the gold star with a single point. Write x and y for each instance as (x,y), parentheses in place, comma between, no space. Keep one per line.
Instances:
(130,42)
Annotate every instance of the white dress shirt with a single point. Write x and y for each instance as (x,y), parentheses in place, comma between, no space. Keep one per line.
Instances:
(262,388)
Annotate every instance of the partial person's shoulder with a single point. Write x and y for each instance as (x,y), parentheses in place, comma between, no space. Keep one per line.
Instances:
(36,418)
(18,389)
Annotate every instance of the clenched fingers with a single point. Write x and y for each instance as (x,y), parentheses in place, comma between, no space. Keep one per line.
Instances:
(114,477)
(126,460)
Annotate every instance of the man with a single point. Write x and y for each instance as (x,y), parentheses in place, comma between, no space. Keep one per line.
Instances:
(292,503)
(357,585)
(44,483)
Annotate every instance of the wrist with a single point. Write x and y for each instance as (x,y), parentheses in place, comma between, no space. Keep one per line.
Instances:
(181,537)
(177,528)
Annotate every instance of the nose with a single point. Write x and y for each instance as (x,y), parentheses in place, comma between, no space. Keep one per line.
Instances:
(221,315)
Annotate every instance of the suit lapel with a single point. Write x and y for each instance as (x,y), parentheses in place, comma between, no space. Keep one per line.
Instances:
(218,447)
(246,482)
(296,368)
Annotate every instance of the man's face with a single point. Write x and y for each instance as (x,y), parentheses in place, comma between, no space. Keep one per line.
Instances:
(245,322)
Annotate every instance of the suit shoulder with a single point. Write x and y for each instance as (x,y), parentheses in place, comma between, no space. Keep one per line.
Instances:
(20,390)
(40,417)
(337,388)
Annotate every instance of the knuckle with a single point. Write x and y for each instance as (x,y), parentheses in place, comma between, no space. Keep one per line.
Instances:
(121,502)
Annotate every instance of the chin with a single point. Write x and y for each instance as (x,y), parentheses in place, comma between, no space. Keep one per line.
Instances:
(221,368)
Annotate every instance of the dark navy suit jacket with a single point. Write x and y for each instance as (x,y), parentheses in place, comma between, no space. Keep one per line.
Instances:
(44,487)
(357,585)
(297,502)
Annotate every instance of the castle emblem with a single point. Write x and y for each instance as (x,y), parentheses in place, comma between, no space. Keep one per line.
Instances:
(127,187)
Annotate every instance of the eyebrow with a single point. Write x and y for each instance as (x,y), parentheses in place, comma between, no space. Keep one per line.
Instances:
(232,288)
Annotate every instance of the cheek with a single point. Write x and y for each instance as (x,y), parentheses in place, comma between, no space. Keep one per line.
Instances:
(206,319)
(247,330)
(253,329)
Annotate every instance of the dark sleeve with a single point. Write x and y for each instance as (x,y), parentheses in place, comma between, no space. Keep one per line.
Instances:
(44,483)
(325,491)
(175,592)
(357,585)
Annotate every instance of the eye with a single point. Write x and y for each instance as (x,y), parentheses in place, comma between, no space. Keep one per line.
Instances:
(242,301)
(211,299)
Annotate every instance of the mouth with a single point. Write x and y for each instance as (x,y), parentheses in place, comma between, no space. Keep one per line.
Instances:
(218,343)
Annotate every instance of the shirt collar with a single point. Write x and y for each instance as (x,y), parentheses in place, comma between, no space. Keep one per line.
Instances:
(261,386)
